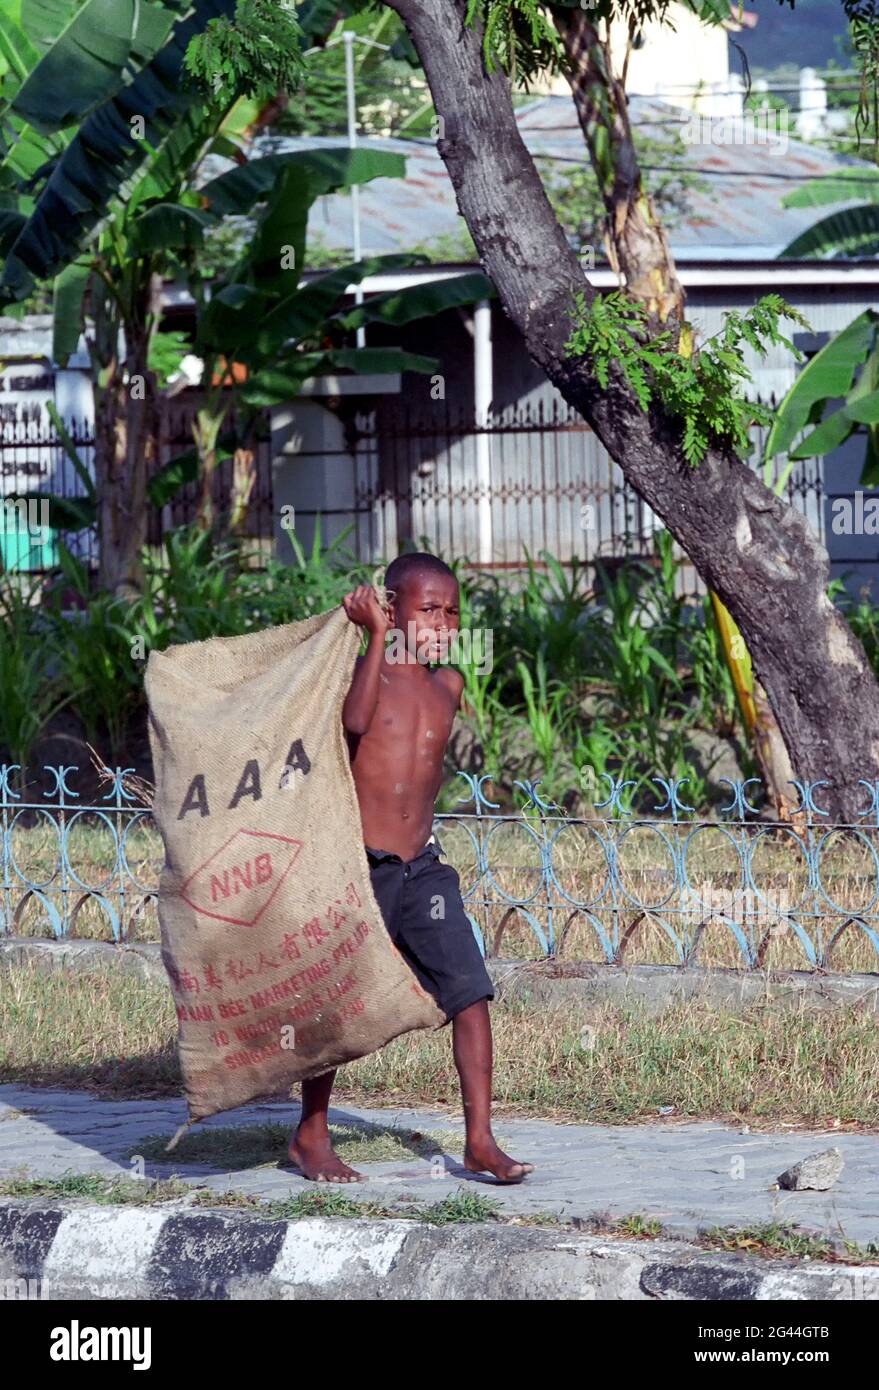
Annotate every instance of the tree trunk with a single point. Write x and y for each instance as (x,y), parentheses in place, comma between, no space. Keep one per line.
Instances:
(126,428)
(757,553)
(639,252)
(206,432)
(243,482)
(636,242)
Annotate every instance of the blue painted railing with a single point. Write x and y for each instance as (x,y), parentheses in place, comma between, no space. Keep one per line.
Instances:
(605,876)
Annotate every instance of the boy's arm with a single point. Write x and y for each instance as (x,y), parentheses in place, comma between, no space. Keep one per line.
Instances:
(363,608)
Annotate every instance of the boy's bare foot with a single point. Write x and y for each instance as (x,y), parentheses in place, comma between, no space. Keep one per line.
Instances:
(486,1157)
(317,1160)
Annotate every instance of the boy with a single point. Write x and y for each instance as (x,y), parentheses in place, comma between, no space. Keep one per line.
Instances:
(398,715)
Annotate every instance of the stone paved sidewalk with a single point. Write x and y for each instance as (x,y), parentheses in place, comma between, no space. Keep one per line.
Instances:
(687,1176)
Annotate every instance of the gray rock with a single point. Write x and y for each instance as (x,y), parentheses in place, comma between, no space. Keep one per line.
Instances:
(817,1172)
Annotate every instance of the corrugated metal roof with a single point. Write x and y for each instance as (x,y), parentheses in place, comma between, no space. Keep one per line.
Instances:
(738,216)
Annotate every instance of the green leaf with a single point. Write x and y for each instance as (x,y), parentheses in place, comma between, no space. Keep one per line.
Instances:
(844,187)
(16,48)
(228,321)
(864,409)
(68,291)
(279,238)
(852,232)
(366,360)
(832,432)
(162,174)
(167,225)
(870,473)
(87,61)
(168,480)
(828,376)
(302,314)
(238,190)
(419,301)
(67,513)
(11,223)
(277,385)
(103,154)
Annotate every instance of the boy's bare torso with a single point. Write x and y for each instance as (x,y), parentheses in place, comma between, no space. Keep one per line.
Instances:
(398,763)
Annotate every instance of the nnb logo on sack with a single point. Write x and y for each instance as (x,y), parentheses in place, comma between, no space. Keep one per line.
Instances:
(75,1343)
(242,877)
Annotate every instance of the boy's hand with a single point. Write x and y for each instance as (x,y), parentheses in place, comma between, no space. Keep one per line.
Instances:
(362,607)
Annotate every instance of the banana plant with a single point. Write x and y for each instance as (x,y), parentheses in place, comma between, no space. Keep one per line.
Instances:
(845,370)
(850,231)
(103,87)
(263,329)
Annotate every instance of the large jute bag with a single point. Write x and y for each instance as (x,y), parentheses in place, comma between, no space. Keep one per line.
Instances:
(279,961)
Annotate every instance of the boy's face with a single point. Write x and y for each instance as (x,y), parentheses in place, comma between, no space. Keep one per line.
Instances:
(430,601)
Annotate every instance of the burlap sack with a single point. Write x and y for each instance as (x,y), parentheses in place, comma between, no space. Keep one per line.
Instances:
(279,960)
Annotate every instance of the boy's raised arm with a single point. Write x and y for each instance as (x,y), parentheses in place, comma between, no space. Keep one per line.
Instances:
(363,608)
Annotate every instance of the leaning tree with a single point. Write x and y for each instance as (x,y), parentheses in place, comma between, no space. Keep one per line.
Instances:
(671,415)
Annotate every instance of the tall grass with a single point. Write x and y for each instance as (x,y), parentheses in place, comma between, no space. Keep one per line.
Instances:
(617,676)
(593,672)
(31,688)
(88,649)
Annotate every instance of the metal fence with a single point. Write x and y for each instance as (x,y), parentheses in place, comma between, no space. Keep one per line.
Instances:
(671,886)
(405,477)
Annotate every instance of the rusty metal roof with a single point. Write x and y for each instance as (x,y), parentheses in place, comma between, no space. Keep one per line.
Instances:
(736,215)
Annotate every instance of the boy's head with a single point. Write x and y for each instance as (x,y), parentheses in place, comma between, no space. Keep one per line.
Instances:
(426,595)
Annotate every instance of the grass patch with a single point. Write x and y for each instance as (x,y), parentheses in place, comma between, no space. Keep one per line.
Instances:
(107,1032)
(771,1240)
(634,1227)
(778,1240)
(116,1035)
(250,1146)
(461,1206)
(93,1187)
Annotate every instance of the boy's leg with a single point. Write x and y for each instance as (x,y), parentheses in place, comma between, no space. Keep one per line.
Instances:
(310,1148)
(471,1041)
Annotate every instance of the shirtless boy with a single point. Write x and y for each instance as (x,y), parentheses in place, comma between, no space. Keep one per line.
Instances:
(398,716)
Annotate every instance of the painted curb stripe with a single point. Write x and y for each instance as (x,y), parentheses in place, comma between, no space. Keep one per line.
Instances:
(204,1253)
(319,1252)
(27,1236)
(141,1252)
(111,1244)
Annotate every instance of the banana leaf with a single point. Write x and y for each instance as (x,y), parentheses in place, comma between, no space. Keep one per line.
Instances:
(303,313)
(828,376)
(167,225)
(844,187)
(852,232)
(282,384)
(88,60)
(67,296)
(419,301)
(105,153)
(66,513)
(328,170)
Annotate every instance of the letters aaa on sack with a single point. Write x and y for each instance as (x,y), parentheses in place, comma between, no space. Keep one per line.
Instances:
(279,960)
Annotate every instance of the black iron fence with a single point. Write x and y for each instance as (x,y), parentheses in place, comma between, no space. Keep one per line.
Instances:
(525,481)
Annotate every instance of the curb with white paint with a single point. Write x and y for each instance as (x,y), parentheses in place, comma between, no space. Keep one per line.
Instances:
(77,1250)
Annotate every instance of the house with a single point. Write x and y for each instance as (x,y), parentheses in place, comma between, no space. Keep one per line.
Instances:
(486,462)
(421,465)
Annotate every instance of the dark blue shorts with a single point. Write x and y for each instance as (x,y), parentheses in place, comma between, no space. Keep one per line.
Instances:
(421,905)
